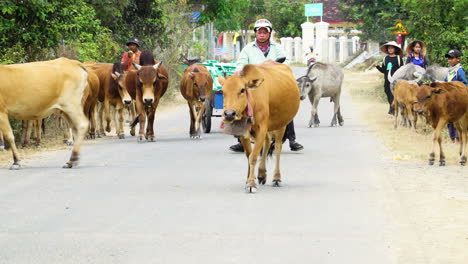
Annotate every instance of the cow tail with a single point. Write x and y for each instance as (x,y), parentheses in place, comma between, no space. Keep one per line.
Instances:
(133,124)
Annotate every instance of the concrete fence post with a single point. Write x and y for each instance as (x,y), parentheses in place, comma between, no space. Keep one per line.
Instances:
(343,49)
(322,41)
(298,54)
(307,38)
(331,49)
(289,48)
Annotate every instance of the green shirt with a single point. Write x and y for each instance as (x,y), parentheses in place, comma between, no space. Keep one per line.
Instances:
(251,54)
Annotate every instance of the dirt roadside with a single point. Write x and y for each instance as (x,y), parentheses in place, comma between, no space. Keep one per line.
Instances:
(430,202)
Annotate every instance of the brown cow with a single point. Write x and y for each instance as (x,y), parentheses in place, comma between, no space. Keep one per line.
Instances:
(27,93)
(146,86)
(405,96)
(90,99)
(112,91)
(445,103)
(268,96)
(196,87)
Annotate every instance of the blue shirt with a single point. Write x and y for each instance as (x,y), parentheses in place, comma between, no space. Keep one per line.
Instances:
(459,76)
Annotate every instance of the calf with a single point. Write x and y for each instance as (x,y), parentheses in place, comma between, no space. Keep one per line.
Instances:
(444,103)
(405,97)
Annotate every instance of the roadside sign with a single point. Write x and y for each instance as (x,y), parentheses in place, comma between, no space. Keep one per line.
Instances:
(192,16)
(220,51)
(399,29)
(314,9)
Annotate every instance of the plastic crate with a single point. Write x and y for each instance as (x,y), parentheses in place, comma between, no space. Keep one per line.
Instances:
(218,100)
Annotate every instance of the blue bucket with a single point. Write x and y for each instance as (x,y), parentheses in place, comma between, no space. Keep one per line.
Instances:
(218,101)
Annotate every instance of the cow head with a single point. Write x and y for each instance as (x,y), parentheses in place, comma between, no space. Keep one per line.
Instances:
(147,78)
(236,90)
(200,82)
(424,96)
(305,85)
(119,79)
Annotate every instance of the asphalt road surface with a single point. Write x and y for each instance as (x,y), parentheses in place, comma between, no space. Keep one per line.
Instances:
(180,200)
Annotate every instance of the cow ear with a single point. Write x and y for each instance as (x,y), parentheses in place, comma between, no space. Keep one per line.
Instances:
(191,74)
(253,76)
(221,80)
(162,76)
(252,84)
(437,90)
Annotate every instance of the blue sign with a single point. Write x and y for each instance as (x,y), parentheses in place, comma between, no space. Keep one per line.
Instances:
(192,16)
(313,9)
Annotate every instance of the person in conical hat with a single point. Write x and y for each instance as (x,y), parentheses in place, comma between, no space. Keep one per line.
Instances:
(396,46)
(390,64)
(416,52)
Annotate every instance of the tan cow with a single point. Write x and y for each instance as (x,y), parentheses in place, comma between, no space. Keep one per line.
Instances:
(268,96)
(443,103)
(32,91)
(197,88)
(405,96)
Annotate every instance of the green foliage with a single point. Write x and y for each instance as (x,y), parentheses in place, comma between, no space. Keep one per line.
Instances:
(441,24)
(286,17)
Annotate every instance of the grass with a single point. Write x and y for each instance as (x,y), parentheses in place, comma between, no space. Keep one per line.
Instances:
(366,89)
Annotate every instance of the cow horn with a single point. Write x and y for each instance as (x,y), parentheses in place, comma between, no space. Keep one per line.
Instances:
(117,74)
(138,67)
(156,66)
(312,79)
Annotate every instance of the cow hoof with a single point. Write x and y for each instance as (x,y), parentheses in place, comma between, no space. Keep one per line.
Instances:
(150,139)
(442,163)
(68,142)
(250,189)
(38,146)
(431,162)
(140,139)
(70,164)
(316,125)
(108,129)
(122,136)
(132,133)
(262,181)
(15,166)
(341,123)
(276,183)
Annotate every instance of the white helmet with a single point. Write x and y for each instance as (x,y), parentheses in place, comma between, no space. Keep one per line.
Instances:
(262,23)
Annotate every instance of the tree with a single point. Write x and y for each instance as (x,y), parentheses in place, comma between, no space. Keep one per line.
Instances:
(283,14)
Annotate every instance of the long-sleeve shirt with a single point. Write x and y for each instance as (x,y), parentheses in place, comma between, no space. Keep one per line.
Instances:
(396,62)
(127,61)
(251,54)
(458,75)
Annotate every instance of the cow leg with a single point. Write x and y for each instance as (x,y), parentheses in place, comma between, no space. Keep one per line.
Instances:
(150,125)
(259,140)
(100,120)
(192,118)
(79,125)
(462,132)
(278,134)
(107,114)
(262,175)
(198,119)
(26,133)
(397,109)
(436,139)
(5,128)
(92,122)
(38,132)
(336,104)
(2,143)
(338,112)
(119,110)
(133,116)
(314,117)
(67,133)
(141,119)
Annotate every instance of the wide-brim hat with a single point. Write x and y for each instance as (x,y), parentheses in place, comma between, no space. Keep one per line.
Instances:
(410,47)
(383,48)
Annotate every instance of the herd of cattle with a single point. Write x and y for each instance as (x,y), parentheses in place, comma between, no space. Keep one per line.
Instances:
(420,92)
(261,101)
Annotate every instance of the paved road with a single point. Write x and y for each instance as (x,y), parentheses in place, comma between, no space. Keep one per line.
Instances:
(182,201)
